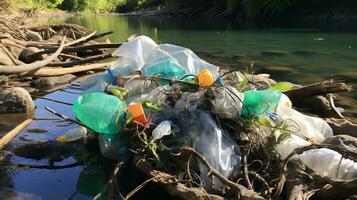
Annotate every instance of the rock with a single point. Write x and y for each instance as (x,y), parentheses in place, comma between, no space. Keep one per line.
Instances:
(274,53)
(32,35)
(345,141)
(5,59)
(54,80)
(15,100)
(25,55)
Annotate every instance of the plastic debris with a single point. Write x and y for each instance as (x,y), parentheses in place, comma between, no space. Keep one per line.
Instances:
(171,86)
(164,128)
(100,112)
(73,135)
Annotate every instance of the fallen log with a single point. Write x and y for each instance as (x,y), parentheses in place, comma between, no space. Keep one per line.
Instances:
(16,69)
(68,70)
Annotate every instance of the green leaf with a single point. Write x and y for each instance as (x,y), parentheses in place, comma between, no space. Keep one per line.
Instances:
(264,122)
(243,85)
(282,86)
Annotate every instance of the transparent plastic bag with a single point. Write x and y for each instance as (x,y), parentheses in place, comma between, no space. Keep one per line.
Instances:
(164,128)
(227,102)
(313,128)
(141,53)
(327,162)
(215,145)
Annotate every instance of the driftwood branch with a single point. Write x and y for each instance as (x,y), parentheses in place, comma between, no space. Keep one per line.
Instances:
(82,61)
(320,88)
(171,184)
(241,190)
(68,70)
(82,48)
(16,69)
(8,137)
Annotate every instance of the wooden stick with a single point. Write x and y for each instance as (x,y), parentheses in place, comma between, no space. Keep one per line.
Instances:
(80,39)
(82,48)
(8,137)
(68,70)
(82,61)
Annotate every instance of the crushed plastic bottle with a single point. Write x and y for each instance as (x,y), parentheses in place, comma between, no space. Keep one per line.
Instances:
(163,129)
(227,102)
(100,112)
(73,135)
(259,101)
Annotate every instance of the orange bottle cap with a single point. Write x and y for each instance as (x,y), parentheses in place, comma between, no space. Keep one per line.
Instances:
(205,78)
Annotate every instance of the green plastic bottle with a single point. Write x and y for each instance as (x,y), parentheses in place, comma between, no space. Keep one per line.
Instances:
(257,102)
(100,112)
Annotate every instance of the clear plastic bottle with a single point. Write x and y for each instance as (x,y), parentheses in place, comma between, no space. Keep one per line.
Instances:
(100,112)
(73,135)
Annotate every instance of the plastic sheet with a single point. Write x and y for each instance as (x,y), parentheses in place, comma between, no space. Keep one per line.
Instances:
(141,53)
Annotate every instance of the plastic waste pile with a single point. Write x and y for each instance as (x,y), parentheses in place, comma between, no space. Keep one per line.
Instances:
(171,94)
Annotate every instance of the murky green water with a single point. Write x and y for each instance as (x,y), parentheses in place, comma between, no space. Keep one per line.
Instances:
(297,54)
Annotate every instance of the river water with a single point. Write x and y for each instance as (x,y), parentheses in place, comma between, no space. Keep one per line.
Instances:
(291,53)
(297,54)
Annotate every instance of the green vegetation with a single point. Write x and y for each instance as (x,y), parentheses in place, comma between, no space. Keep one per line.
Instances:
(242,8)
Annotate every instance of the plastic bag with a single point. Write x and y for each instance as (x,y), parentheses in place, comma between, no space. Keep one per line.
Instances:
(313,128)
(215,145)
(227,102)
(327,162)
(164,128)
(141,53)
